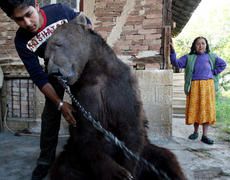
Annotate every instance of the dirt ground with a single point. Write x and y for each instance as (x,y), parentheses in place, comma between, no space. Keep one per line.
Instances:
(199,161)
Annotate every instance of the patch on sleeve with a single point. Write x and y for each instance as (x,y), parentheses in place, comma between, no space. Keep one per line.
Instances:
(34,43)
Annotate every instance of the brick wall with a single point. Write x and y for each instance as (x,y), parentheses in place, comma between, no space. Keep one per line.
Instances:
(130,26)
(7,34)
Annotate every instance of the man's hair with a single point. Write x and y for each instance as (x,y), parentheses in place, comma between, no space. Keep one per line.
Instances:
(8,6)
(193,47)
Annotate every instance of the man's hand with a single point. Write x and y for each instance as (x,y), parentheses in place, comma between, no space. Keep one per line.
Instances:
(67,111)
(65,108)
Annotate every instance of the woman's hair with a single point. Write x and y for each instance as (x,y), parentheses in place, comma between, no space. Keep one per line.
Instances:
(8,6)
(193,47)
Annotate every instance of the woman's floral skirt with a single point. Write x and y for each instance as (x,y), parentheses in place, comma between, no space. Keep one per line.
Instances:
(200,103)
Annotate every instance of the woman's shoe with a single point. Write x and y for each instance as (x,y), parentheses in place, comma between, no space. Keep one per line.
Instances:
(193,136)
(207,140)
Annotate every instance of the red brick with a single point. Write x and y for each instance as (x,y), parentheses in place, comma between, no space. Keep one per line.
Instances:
(152,36)
(135,18)
(101,29)
(120,42)
(155,47)
(134,37)
(106,19)
(133,32)
(128,28)
(154,16)
(147,31)
(139,48)
(108,24)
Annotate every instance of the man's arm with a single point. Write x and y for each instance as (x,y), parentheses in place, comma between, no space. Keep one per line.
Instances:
(66,108)
(40,78)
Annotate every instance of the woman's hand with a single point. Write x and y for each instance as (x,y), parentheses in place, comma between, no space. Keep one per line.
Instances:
(171,46)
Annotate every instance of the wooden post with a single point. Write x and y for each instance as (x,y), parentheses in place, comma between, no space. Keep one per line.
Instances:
(166,46)
(81,5)
(167,12)
(1,110)
(166,33)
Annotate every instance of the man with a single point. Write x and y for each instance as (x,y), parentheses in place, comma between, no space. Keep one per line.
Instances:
(36,25)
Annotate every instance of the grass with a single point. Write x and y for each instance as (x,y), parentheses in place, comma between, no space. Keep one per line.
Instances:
(223,114)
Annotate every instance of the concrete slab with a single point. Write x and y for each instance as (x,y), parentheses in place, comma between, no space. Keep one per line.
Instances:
(18,154)
(156,87)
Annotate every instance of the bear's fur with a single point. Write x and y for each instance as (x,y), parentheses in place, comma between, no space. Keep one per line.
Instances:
(107,88)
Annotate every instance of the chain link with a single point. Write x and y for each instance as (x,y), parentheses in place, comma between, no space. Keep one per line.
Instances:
(108,135)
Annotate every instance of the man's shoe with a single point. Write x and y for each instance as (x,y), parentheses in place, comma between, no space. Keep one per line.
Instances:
(206,140)
(40,172)
(193,136)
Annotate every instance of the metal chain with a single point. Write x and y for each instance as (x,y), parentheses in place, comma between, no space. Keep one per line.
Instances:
(108,135)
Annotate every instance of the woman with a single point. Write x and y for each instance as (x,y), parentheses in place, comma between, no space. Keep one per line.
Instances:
(201,69)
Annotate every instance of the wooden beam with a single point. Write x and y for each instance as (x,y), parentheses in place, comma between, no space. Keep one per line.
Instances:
(167,12)
(1,111)
(82,5)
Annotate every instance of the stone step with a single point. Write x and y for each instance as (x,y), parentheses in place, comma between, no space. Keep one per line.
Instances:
(178,111)
(178,80)
(178,75)
(179,94)
(179,90)
(179,101)
(178,84)
(178,87)
(179,98)
(178,115)
(179,105)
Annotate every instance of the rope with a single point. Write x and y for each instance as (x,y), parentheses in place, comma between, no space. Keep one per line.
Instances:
(108,135)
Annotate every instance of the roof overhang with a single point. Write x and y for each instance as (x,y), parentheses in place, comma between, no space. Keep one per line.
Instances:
(181,13)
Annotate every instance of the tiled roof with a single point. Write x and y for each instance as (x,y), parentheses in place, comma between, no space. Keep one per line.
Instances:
(181,12)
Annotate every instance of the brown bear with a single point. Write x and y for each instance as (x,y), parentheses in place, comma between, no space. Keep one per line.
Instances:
(107,88)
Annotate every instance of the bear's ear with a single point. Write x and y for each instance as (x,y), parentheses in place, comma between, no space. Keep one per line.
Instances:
(80,19)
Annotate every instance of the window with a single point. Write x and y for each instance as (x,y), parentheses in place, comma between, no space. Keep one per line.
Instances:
(20,98)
